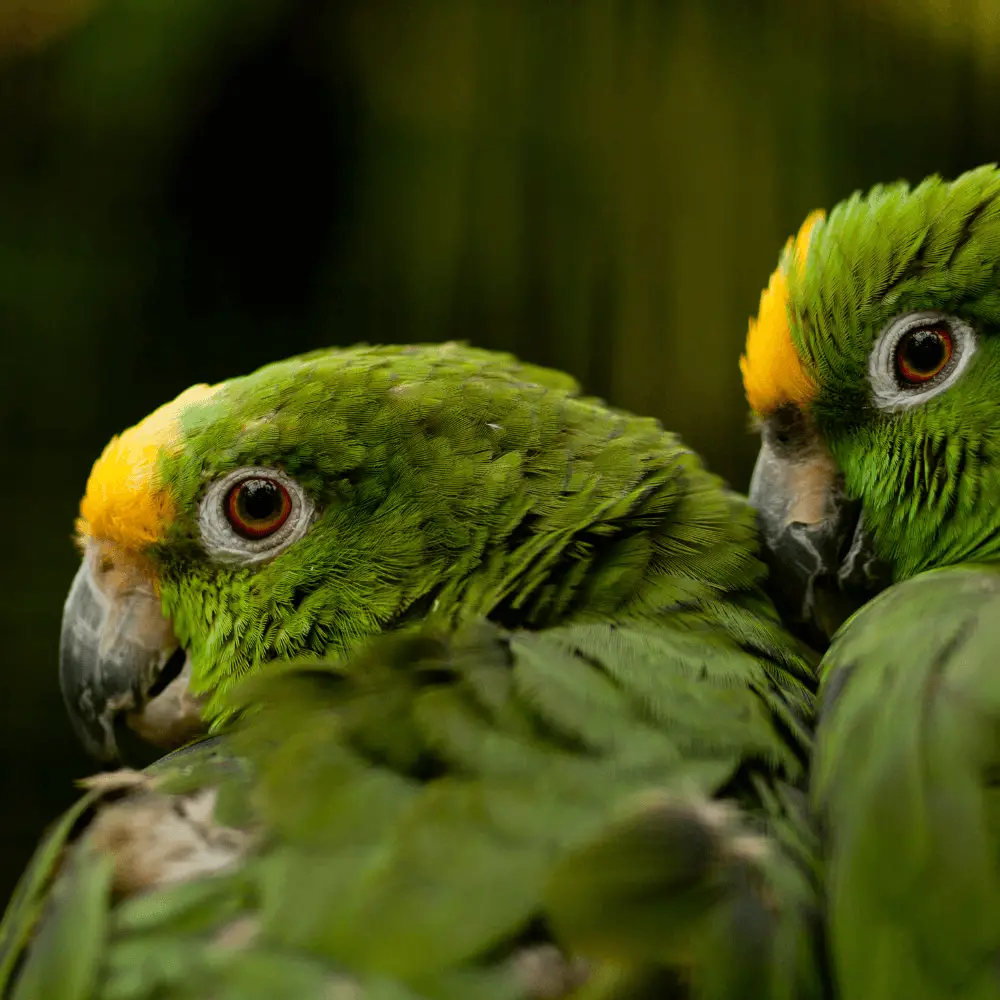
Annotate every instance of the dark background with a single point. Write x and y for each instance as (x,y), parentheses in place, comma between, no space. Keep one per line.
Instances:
(191,188)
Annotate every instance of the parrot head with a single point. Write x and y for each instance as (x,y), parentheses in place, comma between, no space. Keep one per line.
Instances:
(873,372)
(296,511)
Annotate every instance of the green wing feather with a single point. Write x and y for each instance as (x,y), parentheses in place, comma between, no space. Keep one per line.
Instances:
(412,815)
(905,784)
(572,621)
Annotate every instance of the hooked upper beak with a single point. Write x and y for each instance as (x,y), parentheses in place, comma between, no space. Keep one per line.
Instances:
(821,557)
(119,659)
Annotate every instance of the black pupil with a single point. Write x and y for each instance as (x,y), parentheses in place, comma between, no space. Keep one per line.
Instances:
(924,350)
(259,500)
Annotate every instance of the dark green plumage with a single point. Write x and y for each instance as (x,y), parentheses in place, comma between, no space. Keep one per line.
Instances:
(890,471)
(574,630)
(905,786)
(408,808)
(926,473)
(452,483)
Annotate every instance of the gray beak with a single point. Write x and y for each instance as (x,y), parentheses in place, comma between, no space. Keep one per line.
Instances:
(822,561)
(118,657)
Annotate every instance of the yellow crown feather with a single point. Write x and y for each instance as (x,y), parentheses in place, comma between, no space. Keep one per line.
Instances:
(123,503)
(773,373)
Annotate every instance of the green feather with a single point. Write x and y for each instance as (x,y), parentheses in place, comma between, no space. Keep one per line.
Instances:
(906,746)
(517,613)
(443,477)
(927,475)
(906,753)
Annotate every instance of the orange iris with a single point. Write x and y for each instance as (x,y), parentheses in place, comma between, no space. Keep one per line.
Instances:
(258,507)
(923,353)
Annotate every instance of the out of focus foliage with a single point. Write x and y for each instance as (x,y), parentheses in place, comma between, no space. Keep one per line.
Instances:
(189,189)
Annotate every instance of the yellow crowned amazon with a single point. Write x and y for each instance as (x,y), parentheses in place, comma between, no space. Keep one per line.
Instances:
(874,371)
(479,659)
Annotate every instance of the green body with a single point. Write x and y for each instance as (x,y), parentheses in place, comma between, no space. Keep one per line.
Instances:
(903,784)
(576,657)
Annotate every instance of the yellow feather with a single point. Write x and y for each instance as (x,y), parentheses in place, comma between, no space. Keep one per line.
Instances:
(773,373)
(123,503)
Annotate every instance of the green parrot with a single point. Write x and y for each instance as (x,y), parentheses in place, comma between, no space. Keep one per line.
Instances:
(873,369)
(479,693)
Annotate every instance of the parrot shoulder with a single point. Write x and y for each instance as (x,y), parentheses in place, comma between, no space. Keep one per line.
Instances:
(904,783)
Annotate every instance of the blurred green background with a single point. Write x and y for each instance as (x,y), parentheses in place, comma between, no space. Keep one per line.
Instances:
(191,188)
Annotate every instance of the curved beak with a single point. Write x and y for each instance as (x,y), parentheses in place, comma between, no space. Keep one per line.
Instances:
(117,654)
(821,557)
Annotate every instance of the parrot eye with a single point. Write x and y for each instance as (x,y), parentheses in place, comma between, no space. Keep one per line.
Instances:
(253,514)
(922,353)
(917,356)
(258,507)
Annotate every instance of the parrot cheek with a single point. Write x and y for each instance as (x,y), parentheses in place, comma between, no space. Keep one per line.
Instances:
(820,556)
(119,659)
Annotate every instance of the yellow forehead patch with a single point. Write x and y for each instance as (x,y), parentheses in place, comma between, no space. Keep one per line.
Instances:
(771,367)
(123,503)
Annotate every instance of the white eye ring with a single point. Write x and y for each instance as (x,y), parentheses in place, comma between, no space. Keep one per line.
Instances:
(225,545)
(889,392)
